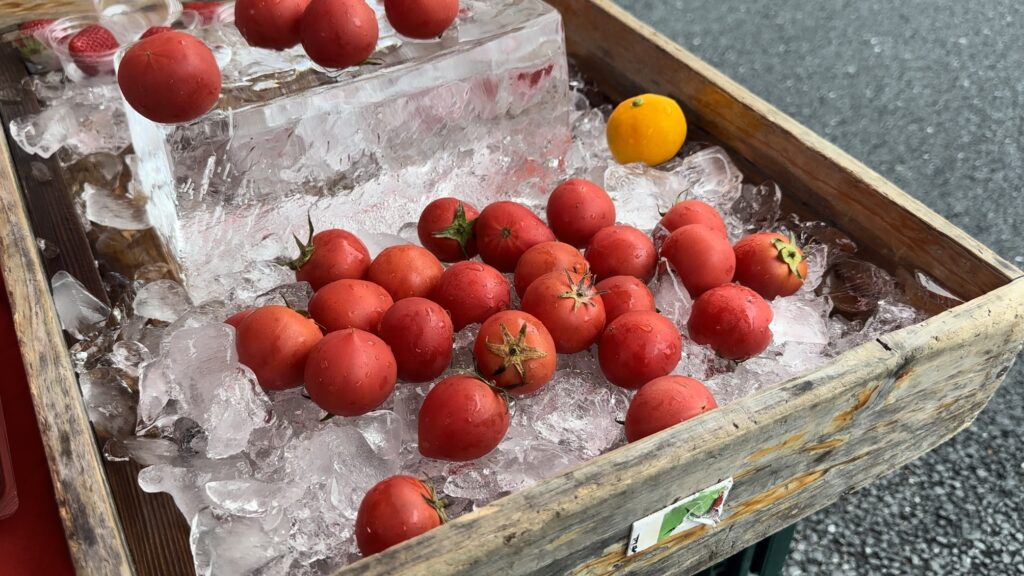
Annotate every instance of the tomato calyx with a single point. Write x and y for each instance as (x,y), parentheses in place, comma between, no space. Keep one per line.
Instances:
(514,351)
(637,102)
(438,504)
(461,230)
(305,248)
(790,254)
(582,293)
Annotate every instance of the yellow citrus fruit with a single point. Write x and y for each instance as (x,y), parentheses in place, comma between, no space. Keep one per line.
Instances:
(647,128)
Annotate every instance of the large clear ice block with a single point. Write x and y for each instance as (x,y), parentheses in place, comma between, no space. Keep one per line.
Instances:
(482,114)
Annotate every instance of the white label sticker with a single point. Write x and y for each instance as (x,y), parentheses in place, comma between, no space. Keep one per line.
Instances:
(704,507)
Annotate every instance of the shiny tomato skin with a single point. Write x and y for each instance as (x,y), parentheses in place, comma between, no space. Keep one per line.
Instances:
(621,251)
(577,209)
(337,255)
(733,320)
(170,77)
(235,320)
(339,33)
(638,347)
(534,354)
(760,267)
(350,372)
(349,304)
(421,19)
(405,271)
(505,230)
(462,418)
(273,24)
(472,292)
(621,294)
(274,342)
(569,307)
(690,212)
(701,257)
(394,510)
(544,258)
(419,333)
(441,215)
(665,402)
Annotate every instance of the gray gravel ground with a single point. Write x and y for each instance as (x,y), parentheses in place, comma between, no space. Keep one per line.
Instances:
(930,93)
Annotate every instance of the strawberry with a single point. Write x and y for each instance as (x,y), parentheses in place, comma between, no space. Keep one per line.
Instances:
(207,11)
(154,30)
(27,41)
(91,49)
(31,26)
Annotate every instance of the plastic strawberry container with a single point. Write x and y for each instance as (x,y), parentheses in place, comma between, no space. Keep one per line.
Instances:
(8,491)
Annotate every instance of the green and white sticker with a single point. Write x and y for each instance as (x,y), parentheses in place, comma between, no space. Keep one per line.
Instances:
(704,507)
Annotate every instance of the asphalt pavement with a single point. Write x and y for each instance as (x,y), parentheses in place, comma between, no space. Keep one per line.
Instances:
(929,93)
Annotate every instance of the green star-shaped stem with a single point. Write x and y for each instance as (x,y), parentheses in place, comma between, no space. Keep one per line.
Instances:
(514,351)
(790,254)
(460,230)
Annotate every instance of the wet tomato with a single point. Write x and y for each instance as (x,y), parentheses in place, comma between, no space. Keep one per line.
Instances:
(733,320)
(568,305)
(274,341)
(516,351)
(701,257)
(446,229)
(421,19)
(235,319)
(622,251)
(349,304)
(419,333)
(770,264)
(273,24)
(638,347)
(544,258)
(665,402)
(472,292)
(394,510)
(350,372)
(462,418)
(339,33)
(577,209)
(505,230)
(405,271)
(693,212)
(622,294)
(170,77)
(330,255)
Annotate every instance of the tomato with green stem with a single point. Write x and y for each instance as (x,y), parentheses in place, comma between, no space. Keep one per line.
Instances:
(770,264)
(445,228)
(394,510)
(515,350)
(569,306)
(329,255)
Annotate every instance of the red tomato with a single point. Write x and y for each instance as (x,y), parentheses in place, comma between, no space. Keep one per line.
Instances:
(339,33)
(273,24)
(577,209)
(406,270)
(422,19)
(701,257)
(544,258)
(733,320)
(516,351)
(639,347)
(622,251)
(770,264)
(505,230)
(569,307)
(394,510)
(622,294)
(350,304)
(665,402)
(446,229)
(472,292)
(693,212)
(170,77)
(420,335)
(330,255)
(350,372)
(274,342)
(462,418)
(236,318)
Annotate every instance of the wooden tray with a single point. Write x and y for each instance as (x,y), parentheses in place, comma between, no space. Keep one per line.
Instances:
(792,449)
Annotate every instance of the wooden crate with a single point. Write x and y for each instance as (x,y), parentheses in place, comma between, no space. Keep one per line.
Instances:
(792,449)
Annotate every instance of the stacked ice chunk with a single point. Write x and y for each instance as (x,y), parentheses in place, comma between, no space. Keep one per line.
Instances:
(482,113)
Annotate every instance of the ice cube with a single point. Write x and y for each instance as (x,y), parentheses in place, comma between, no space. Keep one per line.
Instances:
(109,401)
(295,295)
(84,120)
(230,544)
(641,192)
(80,312)
(162,300)
(757,209)
(800,320)
(671,297)
(145,451)
(121,211)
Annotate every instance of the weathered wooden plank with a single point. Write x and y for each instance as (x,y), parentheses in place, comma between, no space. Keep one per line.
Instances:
(836,186)
(793,449)
(87,510)
(15,11)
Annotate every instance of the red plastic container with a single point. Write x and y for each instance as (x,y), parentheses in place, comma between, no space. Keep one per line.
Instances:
(8,491)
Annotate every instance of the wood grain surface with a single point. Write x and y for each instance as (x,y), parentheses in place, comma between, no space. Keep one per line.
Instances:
(15,11)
